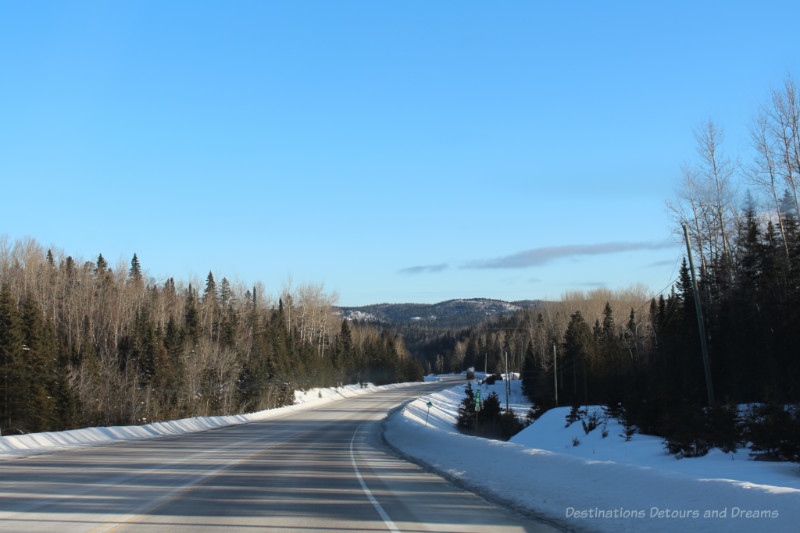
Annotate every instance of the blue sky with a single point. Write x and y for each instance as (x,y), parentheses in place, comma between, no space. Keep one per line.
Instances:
(394,151)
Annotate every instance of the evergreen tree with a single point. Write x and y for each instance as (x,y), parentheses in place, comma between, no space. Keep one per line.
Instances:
(577,353)
(210,294)
(225,292)
(191,318)
(230,327)
(145,347)
(489,414)
(609,328)
(12,340)
(36,372)
(168,367)
(101,266)
(413,370)
(344,356)
(466,411)
(135,272)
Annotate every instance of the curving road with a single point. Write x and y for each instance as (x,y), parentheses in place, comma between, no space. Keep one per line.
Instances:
(325,470)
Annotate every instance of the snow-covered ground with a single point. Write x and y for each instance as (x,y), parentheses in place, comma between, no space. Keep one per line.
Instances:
(591,482)
(32,443)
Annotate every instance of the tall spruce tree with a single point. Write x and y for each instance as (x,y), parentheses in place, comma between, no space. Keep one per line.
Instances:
(191,318)
(101,265)
(38,357)
(135,272)
(577,354)
(210,294)
(12,393)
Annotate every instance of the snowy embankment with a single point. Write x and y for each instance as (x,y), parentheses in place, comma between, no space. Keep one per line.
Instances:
(32,443)
(590,482)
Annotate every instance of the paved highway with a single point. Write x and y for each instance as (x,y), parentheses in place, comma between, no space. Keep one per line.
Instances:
(325,469)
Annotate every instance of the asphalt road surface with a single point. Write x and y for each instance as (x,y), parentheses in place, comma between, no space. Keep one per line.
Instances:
(324,469)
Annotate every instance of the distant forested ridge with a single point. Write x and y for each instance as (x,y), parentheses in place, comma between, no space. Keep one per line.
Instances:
(84,344)
(450,314)
(431,331)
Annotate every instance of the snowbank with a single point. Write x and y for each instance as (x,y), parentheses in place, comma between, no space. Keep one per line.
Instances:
(15,445)
(600,484)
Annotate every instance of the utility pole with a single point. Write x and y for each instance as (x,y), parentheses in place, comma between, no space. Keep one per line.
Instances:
(555,371)
(700,323)
(508,383)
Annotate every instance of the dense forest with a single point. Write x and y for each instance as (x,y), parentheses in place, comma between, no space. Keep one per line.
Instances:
(84,344)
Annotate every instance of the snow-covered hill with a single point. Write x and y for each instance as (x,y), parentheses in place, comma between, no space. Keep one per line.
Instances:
(451,313)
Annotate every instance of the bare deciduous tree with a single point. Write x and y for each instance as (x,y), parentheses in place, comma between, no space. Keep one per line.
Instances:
(765,170)
(783,128)
(706,197)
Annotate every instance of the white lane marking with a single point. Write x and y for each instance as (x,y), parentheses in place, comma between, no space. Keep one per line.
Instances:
(386,520)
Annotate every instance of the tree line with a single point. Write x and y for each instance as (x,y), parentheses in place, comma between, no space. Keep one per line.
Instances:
(84,344)
(533,330)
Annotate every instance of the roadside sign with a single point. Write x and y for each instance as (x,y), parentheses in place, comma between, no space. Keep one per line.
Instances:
(478,400)
(429,404)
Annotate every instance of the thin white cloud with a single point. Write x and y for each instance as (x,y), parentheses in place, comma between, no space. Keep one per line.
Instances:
(547,254)
(423,269)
